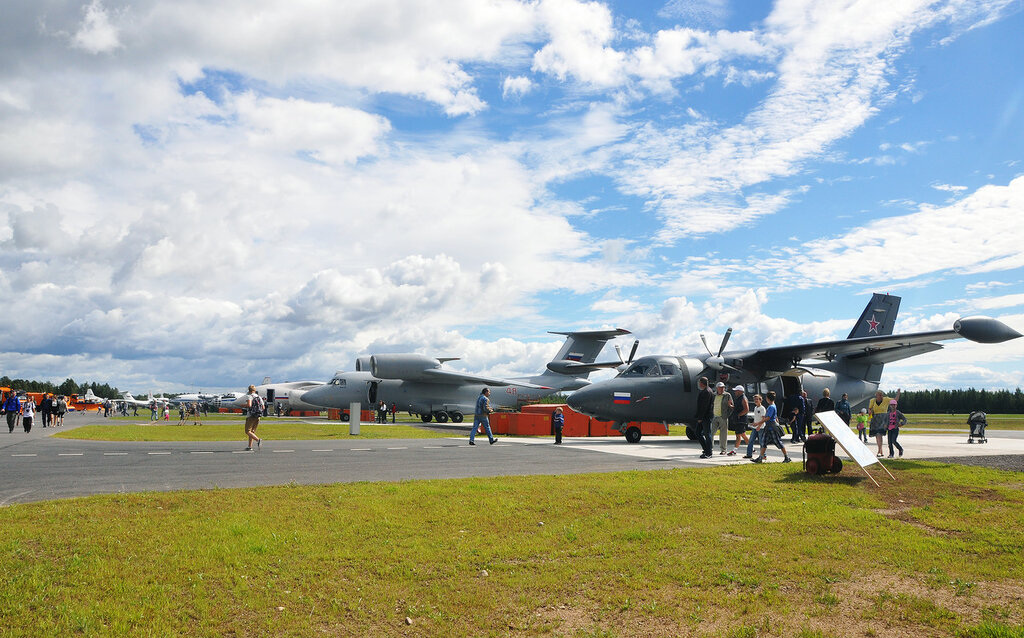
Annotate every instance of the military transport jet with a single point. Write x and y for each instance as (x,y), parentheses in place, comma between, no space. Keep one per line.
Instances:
(664,388)
(419,384)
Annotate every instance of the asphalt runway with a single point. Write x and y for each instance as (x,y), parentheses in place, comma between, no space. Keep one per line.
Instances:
(37,467)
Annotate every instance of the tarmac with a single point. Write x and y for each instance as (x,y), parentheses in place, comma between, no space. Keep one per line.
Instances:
(37,467)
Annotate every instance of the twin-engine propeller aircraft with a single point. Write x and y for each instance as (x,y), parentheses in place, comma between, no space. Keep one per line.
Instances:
(664,388)
(419,384)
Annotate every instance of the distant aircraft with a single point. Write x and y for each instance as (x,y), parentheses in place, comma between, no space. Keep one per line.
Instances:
(289,395)
(664,388)
(419,384)
(194,397)
(86,401)
(126,397)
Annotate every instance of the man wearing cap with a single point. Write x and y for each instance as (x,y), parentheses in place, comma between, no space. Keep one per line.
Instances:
(721,410)
(738,418)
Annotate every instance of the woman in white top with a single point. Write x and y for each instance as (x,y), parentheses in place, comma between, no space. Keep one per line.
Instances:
(756,427)
(28,410)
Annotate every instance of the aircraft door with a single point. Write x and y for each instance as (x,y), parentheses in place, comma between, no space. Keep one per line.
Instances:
(791,385)
(271,396)
(371,392)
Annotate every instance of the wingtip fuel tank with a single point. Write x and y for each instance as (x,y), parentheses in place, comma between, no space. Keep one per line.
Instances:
(984,330)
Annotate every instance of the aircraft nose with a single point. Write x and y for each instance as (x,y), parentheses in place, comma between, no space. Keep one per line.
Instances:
(583,400)
(317,396)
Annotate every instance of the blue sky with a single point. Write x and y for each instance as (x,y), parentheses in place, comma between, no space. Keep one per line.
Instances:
(204,194)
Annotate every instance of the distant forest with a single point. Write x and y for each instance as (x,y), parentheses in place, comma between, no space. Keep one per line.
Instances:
(960,401)
(68,387)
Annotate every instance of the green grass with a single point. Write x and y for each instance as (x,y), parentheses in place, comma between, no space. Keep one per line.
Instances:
(959,422)
(272,429)
(727,551)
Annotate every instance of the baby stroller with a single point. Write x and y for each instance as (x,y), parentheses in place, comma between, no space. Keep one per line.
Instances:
(978,422)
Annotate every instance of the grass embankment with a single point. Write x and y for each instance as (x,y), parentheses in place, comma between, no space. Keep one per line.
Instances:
(729,551)
(272,429)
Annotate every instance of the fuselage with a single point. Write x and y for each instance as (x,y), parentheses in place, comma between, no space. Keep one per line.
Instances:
(664,388)
(427,398)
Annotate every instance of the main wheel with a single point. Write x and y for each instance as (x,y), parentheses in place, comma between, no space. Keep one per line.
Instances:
(441,416)
(633,434)
(457,417)
(426,418)
(837,465)
(344,417)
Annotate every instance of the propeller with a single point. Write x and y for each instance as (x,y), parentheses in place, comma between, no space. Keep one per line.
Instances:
(717,361)
(632,352)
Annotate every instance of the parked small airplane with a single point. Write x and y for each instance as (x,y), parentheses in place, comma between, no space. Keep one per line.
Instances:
(289,395)
(664,388)
(417,383)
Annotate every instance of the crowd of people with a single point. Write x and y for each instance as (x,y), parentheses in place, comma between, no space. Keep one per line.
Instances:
(723,411)
(21,409)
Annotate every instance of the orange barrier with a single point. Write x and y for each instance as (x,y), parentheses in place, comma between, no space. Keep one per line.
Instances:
(334,414)
(500,422)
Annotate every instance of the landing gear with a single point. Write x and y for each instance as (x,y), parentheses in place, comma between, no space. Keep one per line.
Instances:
(426,418)
(457,417)
(441,416)
(633,434)
(691,433)
(344,417)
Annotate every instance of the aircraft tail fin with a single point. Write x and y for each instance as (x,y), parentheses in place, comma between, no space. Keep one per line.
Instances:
(580,347)
(878,318)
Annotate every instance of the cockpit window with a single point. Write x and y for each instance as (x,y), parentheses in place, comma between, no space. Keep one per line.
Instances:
(670,370)
(338,382)
(643,369)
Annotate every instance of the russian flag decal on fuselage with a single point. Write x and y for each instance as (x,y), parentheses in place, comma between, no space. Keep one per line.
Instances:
(574,356)
(620,398)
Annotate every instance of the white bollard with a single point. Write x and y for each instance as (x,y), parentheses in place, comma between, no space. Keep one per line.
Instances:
(353,418)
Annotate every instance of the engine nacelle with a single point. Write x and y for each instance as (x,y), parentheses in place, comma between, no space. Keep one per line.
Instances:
(363,364)
(401,366)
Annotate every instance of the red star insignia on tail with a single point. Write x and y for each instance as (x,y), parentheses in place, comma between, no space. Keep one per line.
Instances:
(873,325)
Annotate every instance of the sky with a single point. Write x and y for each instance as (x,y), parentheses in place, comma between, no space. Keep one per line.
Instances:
(196,195)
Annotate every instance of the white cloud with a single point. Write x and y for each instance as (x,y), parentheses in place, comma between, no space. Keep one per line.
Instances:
(926,242)
(580,43)
(96,34)
(516,87)
(328,133)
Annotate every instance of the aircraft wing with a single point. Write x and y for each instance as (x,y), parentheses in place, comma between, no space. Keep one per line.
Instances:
(882,349)
(439,375)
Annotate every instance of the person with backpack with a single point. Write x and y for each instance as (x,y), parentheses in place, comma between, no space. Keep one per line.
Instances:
(253,411)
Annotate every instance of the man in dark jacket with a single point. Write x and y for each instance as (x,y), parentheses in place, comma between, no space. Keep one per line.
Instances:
(703,416)
(793,410)
(12,406)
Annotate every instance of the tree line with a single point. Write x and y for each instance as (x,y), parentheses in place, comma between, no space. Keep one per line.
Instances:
(68,387)
(960,401)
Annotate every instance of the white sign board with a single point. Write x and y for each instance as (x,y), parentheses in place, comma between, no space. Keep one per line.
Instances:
(846,439)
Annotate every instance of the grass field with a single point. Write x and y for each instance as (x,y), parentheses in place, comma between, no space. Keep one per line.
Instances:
(731,551)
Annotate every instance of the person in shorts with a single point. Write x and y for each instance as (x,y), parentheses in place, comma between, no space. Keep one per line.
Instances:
(253,412)
(770,431)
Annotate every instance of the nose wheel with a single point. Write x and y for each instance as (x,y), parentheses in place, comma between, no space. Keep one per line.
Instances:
(633,434)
